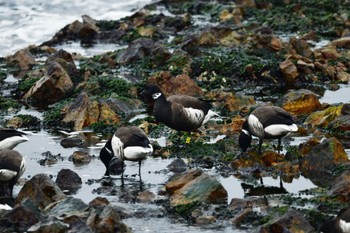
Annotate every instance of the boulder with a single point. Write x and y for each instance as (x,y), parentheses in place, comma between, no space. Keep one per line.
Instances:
(298,102)
(324,117)
(41,190)
(318,165)
(54,86)
(83,112)
(195,186)
(22,61)
(341,187)
(289,71)
(292,221)
(69,181)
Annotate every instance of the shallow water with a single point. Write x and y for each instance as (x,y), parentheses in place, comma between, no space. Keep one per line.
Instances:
(342,95)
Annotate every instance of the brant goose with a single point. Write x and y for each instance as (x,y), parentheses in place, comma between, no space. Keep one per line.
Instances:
(341,224)
(179,112)
(9,138)
(128,143)
(270,122)
(12,166)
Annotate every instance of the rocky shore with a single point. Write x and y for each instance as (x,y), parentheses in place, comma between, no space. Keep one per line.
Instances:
(240,55)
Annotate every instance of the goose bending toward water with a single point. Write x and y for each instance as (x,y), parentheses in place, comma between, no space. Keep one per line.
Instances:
(12,167)
(128,143)
(269,122)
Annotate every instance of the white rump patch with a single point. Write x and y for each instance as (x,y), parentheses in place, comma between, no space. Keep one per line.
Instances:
(117,147)
(255,126)
(7,175)
(5,207)
(280,129)
(11,142)
(195,116)
(22,167)
(345,226)
(135,153)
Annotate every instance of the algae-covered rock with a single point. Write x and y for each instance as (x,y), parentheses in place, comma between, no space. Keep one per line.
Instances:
(324,117)
(195,186)
(298,102)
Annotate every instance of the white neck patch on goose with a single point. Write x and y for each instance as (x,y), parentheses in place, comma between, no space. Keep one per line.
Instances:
(156,95)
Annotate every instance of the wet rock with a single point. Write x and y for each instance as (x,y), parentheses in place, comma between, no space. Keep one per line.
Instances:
(146,197)
(342,42)
(68,207)
(301,47)
(324,117)
(345,109)
(318,165)
(41,190)
(341,125)
(231,101)
(292,221)
(107,221)
(141,48)
(85,31)
(68,181)
(54,86)
(22,61)
(205,220)
(181,84)
(81,157)
(195,186)
(289,71)
(83,112)
(49,225)
(178,165)
(50,159)
(20,218)
(25,122)
(298,102)
(70,142)
(341,187)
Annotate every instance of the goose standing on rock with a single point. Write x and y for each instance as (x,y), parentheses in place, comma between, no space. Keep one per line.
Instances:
(128,143)
(10,138)
(179,112)
(12,167)
(269,122)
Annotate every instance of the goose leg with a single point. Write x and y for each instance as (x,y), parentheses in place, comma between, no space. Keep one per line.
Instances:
(279,146)
(260,144)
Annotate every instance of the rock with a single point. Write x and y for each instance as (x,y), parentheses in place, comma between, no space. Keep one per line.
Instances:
(302,101)
(341,187)
(146,197)
(318,165)
(289,72)
(68,180)
(181,84)
(141,48)
(22,61)
(70,142)
(324,117)
(50,159)
(41,190)
(53,87)
(342,42)
(178,165)
(20,218)
(83,112)
(231,101)
(81,157)
(301,47)
(107,221)
(195,186)
(292,221)
(49,225)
